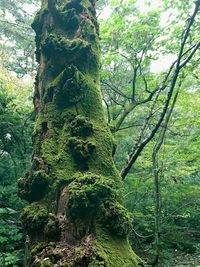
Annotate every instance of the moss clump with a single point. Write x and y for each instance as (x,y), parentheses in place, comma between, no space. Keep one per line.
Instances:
(80,126)
(38,248)
(52,230)
(70,20)
(89,31)
(67,89)
(86,194)
(29,185)
(46,263)
(74,4)
(34,218)
(96,196)
(55,45)
(113,251)
(116,219)
(81,150)
(74,89)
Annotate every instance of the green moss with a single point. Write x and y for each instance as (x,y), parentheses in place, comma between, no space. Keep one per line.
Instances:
(75,143)
(55,45)
(80,126)
(37,25)
(28,186)
(73,90)
(91,107)
(89,31)
(39,18)
(112,251)
(70,20)
(69,88)
(74,4)
(92,195)
(102,160)
(86,194)
(46,263)
(34,218)
(81,150)
(55,149)
(52,229)
(116,219)
(38,248)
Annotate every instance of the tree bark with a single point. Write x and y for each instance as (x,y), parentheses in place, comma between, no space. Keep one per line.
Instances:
(75,217)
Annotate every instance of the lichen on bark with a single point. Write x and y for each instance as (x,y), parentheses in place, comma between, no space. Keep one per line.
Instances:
(75,216)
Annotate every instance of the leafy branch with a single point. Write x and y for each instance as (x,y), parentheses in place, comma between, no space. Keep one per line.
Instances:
(176,67)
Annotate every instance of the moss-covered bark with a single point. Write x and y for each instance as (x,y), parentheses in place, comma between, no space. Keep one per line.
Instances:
(75,217)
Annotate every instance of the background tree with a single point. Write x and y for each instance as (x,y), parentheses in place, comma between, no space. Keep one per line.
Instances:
(17,37)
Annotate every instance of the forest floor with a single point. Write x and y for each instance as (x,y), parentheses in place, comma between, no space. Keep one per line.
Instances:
(184,260)
(177,258)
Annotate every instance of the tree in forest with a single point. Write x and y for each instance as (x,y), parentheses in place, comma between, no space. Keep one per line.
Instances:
(75,216)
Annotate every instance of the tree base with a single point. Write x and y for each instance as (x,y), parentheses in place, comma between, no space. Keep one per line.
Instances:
(100,251)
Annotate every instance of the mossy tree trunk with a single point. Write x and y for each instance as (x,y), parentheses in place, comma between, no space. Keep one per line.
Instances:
(74,217)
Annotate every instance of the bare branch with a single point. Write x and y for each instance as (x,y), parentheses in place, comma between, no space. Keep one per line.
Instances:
(190,56)
(123,116)
(134,84)
(116,90)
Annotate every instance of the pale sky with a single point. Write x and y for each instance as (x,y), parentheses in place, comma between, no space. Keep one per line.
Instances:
(154,4)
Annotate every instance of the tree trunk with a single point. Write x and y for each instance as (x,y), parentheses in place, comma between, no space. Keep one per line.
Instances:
(75,217)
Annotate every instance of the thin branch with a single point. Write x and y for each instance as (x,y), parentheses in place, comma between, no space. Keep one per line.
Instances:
(134,84)
(129,109)
(113,88)
(190,56)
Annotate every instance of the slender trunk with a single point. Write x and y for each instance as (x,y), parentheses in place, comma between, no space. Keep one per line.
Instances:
(157,209)
(3,260)
(156,149)
(75,217)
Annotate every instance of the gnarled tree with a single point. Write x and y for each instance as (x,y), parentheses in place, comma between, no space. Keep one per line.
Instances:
(75,217)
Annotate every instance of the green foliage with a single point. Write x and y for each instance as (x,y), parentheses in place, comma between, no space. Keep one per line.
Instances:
(179,182)
(10,236)
(15,152)
(17,38)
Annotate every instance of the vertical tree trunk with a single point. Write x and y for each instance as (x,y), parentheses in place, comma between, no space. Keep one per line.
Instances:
(157,208)
(75,217)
